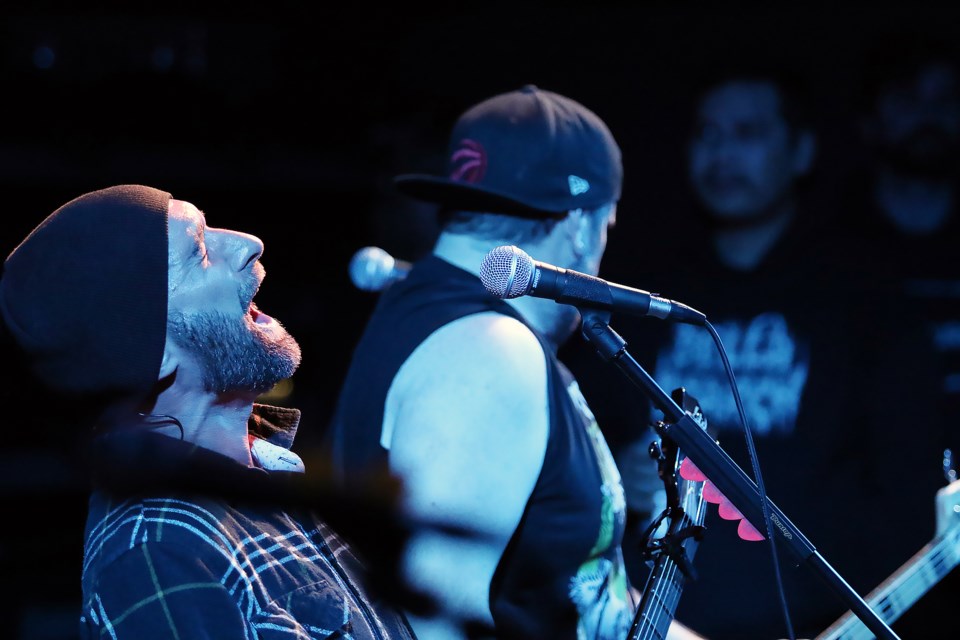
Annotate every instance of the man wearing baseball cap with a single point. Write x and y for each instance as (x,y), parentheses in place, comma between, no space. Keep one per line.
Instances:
(460,393)
(200,522)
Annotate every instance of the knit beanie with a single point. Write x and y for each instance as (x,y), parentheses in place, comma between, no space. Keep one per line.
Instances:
(84,295)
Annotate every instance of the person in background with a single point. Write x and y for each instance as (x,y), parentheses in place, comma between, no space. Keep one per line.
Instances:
(460,393)
(899,219)
(128,308)
(835,383)
(900,207)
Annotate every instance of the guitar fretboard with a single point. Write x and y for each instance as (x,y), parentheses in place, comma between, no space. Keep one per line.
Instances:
(666,581)
(660,603)
(903,588)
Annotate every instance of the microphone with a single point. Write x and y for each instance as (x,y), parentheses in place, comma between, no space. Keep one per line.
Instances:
(508,272)
(373,269)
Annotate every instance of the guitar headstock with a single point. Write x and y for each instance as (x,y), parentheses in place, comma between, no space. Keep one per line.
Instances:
(684,513)
(690,405)
(672,552)
(668,455)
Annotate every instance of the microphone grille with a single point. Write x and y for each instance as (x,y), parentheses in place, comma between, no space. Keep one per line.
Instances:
(372,269)
(506,272)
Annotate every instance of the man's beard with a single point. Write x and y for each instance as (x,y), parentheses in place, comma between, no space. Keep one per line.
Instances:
(235,355)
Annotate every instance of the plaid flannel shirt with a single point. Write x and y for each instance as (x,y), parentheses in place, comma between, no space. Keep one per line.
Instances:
(198,568)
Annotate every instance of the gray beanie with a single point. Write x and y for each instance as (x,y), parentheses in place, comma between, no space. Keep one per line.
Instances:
(84,295)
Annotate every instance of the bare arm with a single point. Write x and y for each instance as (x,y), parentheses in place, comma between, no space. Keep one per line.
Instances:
(469,419)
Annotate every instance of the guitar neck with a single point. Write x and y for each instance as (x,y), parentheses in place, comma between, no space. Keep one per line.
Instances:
(903,588)
(661,595)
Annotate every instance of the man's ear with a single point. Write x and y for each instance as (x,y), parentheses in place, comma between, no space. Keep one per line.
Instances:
(578,229)
(170,362)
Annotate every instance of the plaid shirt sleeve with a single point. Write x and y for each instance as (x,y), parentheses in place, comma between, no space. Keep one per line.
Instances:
(140,590)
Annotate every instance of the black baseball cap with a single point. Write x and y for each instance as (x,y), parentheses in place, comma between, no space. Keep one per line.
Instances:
(531,153)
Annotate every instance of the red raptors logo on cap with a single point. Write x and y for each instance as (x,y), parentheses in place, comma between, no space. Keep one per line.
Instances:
(469,162)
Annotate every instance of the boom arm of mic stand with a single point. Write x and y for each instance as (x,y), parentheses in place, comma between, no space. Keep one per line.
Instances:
(722,471)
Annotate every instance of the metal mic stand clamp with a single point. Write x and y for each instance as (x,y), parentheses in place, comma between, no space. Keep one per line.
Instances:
(671,543)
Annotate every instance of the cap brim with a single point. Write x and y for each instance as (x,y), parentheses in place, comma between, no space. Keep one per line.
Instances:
(465,197)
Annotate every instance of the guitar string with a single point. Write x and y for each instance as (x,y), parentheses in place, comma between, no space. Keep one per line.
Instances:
(670,601)
(668,575)
(656,597)
(894,589)
(673,596)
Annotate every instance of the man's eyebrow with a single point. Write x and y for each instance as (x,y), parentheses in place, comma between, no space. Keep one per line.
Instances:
(196,228)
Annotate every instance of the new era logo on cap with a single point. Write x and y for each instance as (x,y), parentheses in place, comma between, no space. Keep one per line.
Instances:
(577,185)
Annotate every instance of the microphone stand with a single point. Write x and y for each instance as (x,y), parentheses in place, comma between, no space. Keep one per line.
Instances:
(722,471)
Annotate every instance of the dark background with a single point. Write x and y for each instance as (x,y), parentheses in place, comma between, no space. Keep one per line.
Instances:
(286,120)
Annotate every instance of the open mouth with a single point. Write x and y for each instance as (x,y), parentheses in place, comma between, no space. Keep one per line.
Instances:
(258,316)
